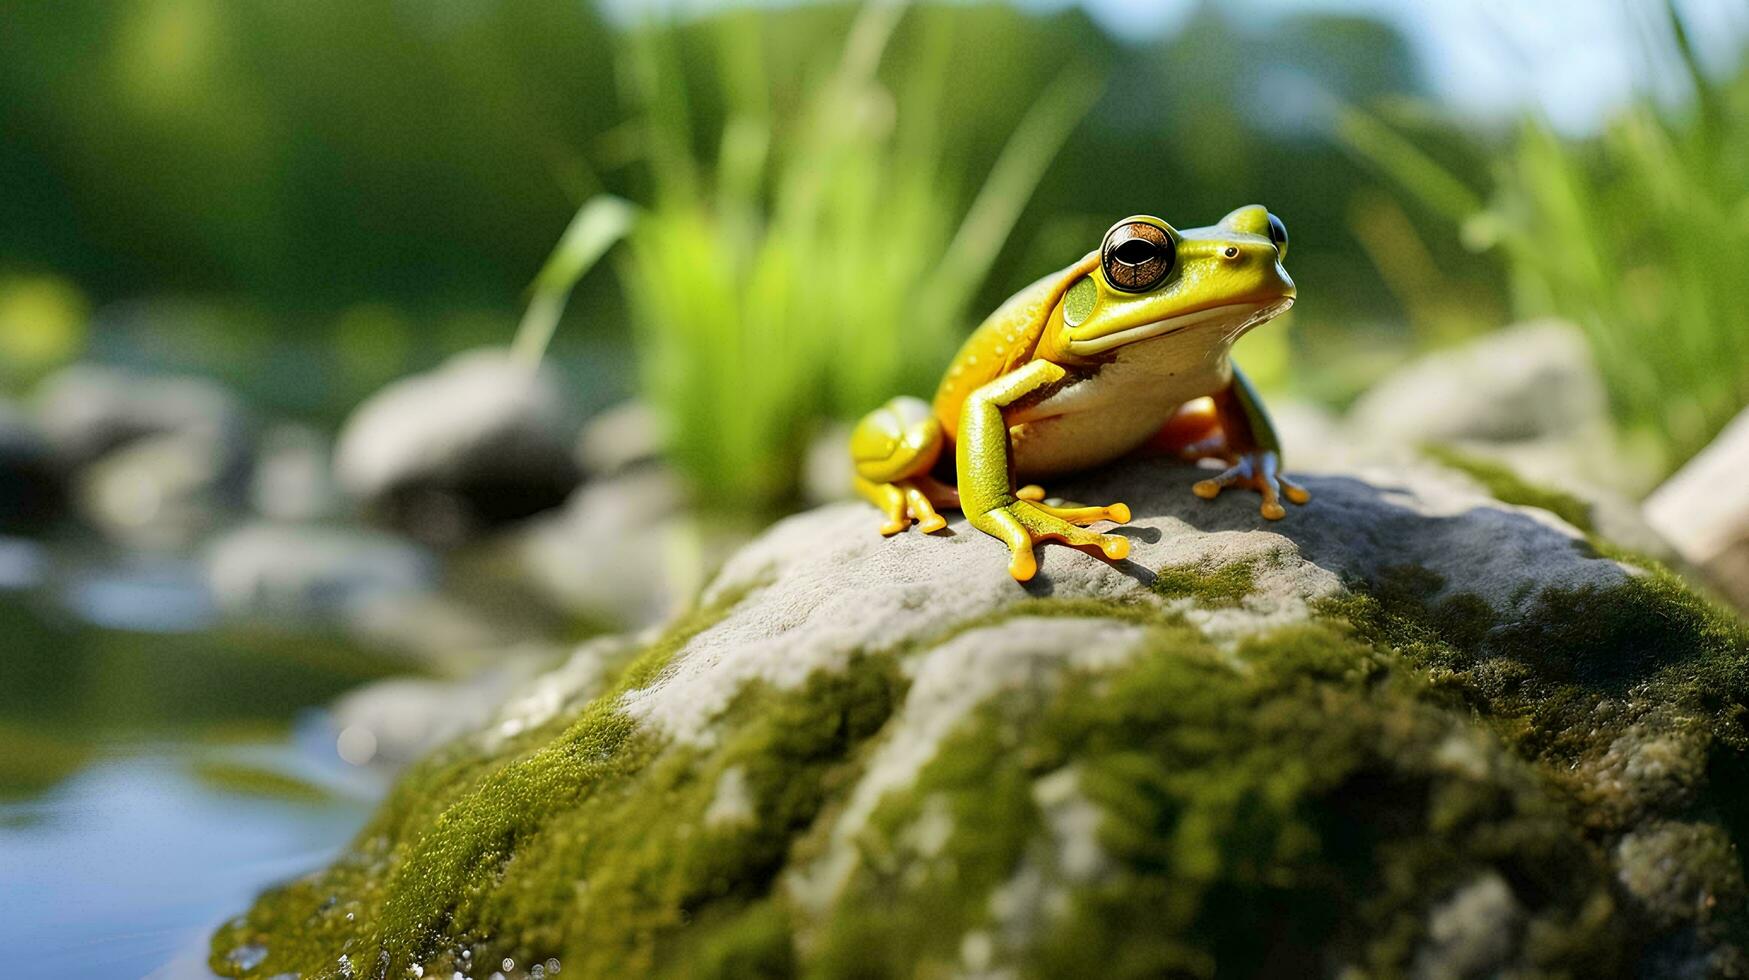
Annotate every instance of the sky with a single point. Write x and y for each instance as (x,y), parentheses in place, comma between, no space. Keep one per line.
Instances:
(1574,60)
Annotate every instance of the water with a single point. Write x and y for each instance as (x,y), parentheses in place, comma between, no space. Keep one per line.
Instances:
(126,866)
(158,767)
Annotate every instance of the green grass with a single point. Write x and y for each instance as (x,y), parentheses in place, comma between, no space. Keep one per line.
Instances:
(816,261)
(1637,235)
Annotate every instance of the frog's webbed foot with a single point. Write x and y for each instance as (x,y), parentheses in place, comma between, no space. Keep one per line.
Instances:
(1025,523)
(904,501)
(1068,510)
(1260,471)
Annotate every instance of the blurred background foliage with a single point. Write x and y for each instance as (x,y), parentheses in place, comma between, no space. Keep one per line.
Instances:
(310,199)
(1638,235)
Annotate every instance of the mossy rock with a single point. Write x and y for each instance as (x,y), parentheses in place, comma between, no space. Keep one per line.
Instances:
(1409,730)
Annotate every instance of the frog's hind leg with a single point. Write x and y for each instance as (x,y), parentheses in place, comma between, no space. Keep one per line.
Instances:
(890,499)
(894,448)
(1079,515)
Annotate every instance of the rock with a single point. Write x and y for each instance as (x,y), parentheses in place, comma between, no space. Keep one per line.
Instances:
(312,574)
(619,438)
(379,590)
(292,480)
(90,410)
(1311,434)
(1407,730)
(161,491)
(435,628)
(480,441)
(390,723)
(1526,402)
(1534,381)
(1530,475)
(609,556)
(1704,512)
(156,460)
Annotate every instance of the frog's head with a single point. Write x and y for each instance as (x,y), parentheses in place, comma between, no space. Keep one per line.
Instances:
(1149,279)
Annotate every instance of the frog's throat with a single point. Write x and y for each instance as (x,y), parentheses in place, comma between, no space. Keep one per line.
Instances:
(1241,317)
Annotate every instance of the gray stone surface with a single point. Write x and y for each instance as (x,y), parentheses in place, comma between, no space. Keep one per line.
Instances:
(618,438)
(1704,511)
(841,587)
(312,573)
(1526,382)
(390,723)
(610,553)
(88,410)
(153,460)
(482,440)
(293,479)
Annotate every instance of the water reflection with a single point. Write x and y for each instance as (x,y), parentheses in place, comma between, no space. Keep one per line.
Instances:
(158,765)
(126,865)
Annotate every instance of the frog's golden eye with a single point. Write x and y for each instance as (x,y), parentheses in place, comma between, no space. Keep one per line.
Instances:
(1278,235)
(1137,255)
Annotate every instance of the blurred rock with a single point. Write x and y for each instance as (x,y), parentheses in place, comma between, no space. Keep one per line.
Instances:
(162,491)
(378,589)
(155,460)
(619,438)
(1526,382)
(89,410)
(1606,484)
(390,723)
(433,627)
(609,554)
(292,481)
(1310,434)
(1704,511)
(480,441)
(1528,398)
(32,483)
(310,573)
(826,469)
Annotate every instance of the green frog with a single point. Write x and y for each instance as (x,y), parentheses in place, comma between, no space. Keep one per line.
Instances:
(1125,350)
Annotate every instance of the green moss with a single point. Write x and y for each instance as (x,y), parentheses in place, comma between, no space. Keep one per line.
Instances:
(1538,675)
(1508,487)
(1315,805)
(1582,680)
(1211,584)
(585,840)
(1302,810)
(1311,797)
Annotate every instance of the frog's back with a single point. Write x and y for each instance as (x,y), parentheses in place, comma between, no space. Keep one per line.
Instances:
(1005,340)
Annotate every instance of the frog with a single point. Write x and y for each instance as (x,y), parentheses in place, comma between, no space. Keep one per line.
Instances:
(1128,350)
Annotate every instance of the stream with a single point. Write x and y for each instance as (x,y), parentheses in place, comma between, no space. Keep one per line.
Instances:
(158,766)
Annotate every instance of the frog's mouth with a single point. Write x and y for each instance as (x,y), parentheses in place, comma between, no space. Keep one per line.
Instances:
(1236,317)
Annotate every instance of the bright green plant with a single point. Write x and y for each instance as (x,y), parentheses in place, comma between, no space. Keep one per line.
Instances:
(1638,235)
(819,261)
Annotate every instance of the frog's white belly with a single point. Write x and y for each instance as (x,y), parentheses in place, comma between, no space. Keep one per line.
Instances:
(1121,405)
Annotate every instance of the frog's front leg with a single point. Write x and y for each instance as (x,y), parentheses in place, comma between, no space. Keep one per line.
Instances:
(1253,449)
(986,489)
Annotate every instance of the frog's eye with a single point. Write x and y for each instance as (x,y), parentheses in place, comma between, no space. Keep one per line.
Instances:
(1137,255)
(1278,235)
